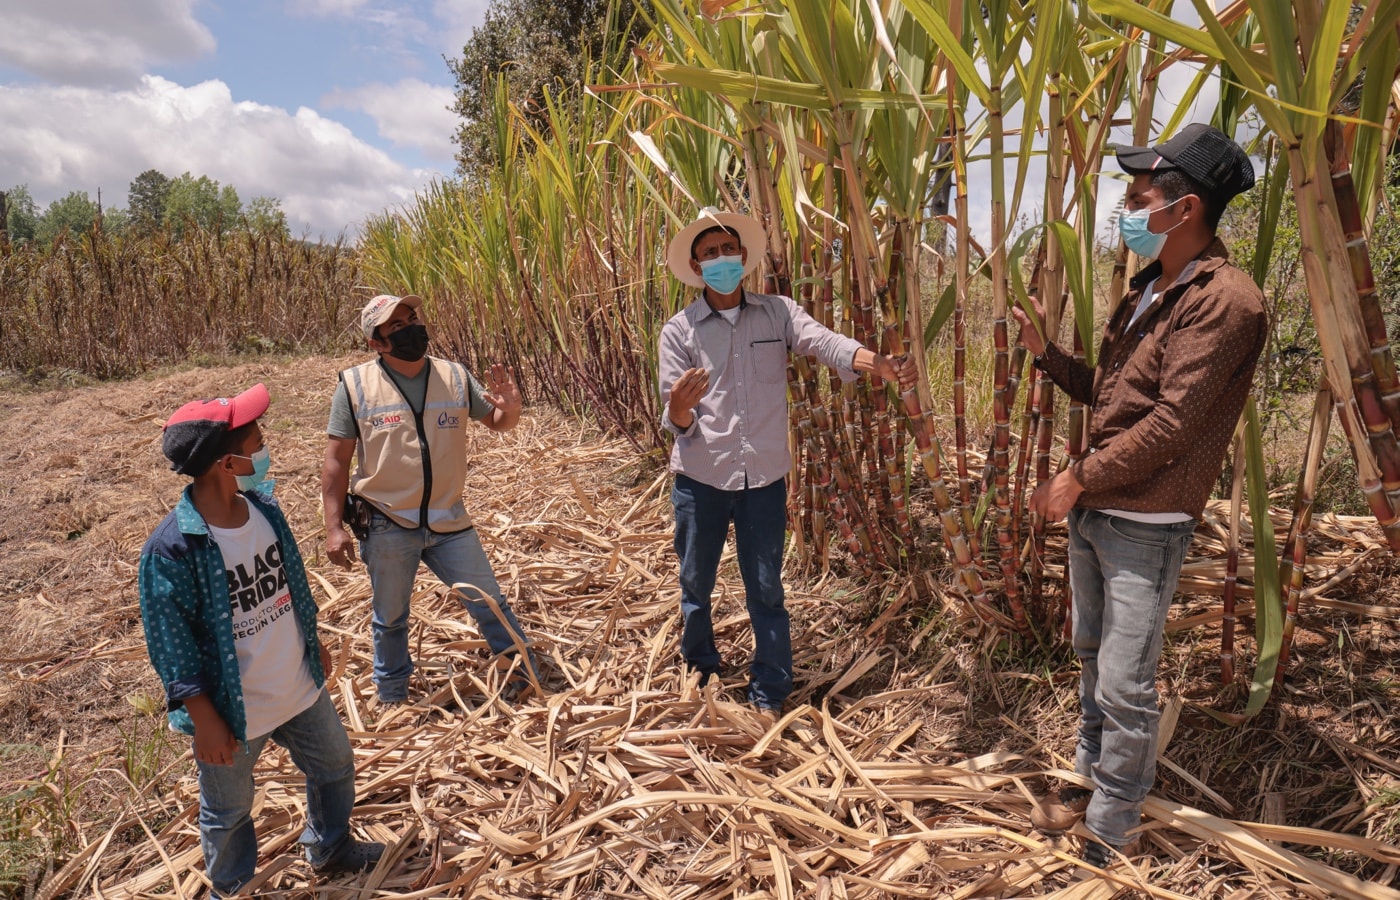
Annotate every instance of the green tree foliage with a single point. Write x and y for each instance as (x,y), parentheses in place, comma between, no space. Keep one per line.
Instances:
(145,200)
(21,214)
(203,202)
(73,213)
(263,213)
(538,44)
(115,220)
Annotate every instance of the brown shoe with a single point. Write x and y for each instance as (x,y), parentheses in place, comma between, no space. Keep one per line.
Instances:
(1059,813)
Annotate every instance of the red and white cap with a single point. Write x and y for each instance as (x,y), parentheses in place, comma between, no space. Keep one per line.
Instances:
(194,436)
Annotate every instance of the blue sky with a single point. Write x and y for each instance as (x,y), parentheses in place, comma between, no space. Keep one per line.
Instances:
(339,108)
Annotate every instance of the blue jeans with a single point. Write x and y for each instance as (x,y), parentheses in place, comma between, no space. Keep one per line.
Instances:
(1123,574)
(391,554)
(703,514)
(317,742)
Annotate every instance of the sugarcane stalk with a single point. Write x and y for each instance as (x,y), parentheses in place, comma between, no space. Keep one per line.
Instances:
(1346,355)
(962,242)
(1295,551)
(1372,318)
(999,459)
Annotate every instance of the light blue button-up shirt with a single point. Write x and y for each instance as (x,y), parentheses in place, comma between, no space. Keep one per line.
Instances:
(739,435)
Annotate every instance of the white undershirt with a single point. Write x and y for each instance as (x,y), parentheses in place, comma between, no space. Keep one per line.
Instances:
(731,314)
(1148,293)
(272,664)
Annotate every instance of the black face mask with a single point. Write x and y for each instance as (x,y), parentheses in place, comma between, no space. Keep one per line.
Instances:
(409,343)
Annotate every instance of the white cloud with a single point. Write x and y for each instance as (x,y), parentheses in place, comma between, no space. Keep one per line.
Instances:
(410,113)
(67,138)
(99,42)
(455,21)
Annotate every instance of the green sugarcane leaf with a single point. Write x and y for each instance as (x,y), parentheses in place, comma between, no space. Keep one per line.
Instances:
(1268,599)
(1368,157)
(936,24)
(1275,185)
(1251,67)
(947,301)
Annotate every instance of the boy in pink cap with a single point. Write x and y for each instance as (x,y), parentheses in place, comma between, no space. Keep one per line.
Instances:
(231,631)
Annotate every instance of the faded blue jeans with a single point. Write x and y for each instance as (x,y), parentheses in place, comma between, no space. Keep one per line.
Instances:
(391,554)
(703,514)
(318,745)
(1123,574)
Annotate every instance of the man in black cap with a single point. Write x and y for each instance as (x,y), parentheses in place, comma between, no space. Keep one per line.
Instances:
(1174,370)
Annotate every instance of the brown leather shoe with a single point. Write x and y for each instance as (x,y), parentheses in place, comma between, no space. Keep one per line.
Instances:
(1059,813)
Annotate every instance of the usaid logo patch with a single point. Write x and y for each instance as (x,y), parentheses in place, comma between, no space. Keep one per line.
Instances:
(446,420)
(377,422)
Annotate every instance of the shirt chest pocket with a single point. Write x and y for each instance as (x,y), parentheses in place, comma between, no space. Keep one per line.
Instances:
(769,360)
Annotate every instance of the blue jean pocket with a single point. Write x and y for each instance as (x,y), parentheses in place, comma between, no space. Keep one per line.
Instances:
(1146,533)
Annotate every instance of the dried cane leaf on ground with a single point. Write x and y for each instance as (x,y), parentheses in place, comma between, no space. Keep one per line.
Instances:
(904,767)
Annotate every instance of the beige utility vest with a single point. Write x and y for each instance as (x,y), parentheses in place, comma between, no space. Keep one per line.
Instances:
(412,468)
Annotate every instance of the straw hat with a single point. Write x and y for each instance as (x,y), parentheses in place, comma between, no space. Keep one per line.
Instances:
(751,236)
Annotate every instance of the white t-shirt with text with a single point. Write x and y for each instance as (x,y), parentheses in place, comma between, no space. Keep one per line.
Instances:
(272,664)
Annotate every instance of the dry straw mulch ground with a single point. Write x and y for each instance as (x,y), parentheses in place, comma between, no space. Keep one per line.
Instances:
(905,765)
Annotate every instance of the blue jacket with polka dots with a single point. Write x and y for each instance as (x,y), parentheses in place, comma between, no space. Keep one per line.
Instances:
(185,611)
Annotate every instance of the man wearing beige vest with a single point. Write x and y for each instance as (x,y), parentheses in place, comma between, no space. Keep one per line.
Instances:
(403,416)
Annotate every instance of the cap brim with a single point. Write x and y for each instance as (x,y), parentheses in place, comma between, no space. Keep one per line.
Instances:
(249,406)
(751,235)
(1137,160)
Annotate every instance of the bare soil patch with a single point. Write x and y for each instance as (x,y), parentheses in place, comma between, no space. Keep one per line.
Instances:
(905,766)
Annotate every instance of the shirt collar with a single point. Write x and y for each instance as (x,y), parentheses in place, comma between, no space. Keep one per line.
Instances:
(702,309)
(186,516)
(1211,258)
(191,522)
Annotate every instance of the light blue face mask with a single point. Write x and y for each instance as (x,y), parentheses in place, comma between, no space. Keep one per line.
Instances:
(723,273)
(1140,239)
(262,461)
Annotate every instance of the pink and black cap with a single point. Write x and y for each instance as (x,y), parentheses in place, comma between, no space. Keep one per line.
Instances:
(194,435)
(1204,154)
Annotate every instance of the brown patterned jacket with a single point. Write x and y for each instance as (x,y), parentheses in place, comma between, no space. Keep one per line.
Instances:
(1167,392)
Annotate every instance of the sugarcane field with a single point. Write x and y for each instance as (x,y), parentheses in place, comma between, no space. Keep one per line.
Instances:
(804,450)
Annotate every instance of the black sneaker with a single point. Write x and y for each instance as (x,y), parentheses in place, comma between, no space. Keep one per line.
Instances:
(353,856)
(706,673)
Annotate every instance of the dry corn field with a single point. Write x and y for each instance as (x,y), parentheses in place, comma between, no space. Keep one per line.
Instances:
(904,767)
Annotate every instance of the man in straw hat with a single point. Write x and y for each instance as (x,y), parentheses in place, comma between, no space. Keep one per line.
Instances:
(1173,373)
(402,416)
(723,377)
(231,631)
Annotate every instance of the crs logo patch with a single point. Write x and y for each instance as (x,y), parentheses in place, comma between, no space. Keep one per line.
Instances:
(389,421)
(446,420)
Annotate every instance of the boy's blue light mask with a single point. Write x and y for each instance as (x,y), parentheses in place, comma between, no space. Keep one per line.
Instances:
(262,461)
